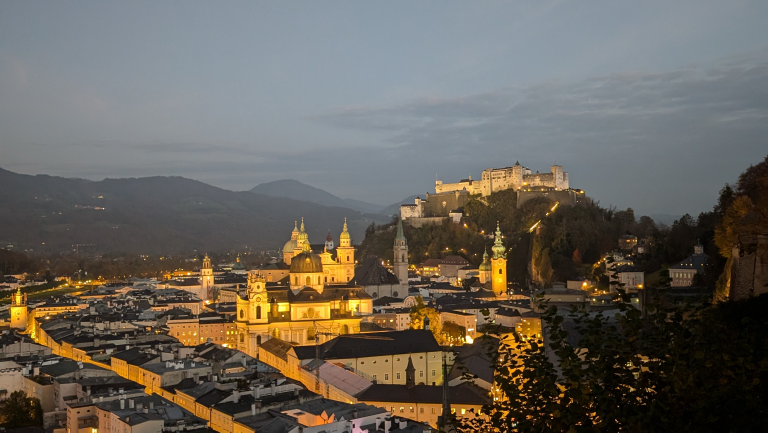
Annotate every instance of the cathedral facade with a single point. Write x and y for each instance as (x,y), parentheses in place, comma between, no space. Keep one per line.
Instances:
(318,303)
(338,263)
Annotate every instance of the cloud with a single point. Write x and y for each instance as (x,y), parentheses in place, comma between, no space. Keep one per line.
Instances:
(621,134)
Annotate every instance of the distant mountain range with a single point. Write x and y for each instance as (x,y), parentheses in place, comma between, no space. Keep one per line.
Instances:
(290,188)
(158,215)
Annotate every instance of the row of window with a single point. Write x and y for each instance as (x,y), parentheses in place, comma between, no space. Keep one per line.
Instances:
(434,410)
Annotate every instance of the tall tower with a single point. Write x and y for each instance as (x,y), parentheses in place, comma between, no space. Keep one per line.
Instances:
(345,254)
(485,269)
(19,310)
(499,265)
(206,279)
(329,241)
(401,255)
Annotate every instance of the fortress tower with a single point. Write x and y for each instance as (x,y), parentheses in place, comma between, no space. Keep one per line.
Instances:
(401,255)
(499,265)
(19,310)
(206,278)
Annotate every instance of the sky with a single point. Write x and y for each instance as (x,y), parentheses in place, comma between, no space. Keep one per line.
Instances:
(653,105)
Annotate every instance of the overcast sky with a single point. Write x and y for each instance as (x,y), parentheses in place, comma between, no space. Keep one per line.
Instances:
(647,104)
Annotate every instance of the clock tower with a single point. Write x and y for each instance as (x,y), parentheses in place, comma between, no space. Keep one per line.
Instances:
(19,310)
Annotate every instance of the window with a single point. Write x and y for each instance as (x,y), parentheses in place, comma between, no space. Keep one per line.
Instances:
(386,376)
(433,410)
(421,373)
(433,372)
(463,411)
(258,311)
(375,377)
(402,409)
(421,410)
(398,376)
(411,409)
(309,280)
(499,271)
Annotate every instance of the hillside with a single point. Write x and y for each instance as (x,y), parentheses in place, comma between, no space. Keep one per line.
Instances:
(154,215)
(293,189)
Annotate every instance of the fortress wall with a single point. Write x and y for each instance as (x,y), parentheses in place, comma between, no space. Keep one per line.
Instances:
(568,198)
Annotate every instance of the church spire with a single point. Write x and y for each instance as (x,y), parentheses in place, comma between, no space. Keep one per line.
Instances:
(499,252)
(400,236)
(410,374)
(344,231)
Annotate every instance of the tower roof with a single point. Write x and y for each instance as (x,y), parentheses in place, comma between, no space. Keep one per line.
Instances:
(486,264)
(499,251)
(329,238)
(400,236)
(344,232)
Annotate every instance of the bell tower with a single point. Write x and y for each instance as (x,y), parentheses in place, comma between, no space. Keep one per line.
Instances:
(206,278)
(401,255)
(19,310)
(345,254)
(499,265)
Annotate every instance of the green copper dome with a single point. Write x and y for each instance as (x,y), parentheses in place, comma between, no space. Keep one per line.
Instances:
(499,252)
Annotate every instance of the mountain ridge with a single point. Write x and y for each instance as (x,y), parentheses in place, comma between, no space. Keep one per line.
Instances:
(156,214)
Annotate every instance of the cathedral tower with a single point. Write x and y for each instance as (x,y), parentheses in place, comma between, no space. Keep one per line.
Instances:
(401,255)
(206,279)
(19,310)
(499,265)
(329,241)
(345,254)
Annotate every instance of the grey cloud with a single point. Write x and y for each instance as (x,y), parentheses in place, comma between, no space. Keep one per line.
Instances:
(619,134)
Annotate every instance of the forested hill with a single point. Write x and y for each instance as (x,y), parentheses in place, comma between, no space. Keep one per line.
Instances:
(567,241)
(154,215)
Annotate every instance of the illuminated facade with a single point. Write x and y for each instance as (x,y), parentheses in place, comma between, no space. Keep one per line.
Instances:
(19,312)
(310,309)
(499,265)
(339,269)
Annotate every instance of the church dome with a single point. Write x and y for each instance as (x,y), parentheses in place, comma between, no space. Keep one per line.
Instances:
(306,263)
(289,246)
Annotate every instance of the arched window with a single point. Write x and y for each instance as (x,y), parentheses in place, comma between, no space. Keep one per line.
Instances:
(242,314)
(404,258)
(258,340)
(258,311)
(309,280)
(347,258)
(499,271)
(326,279)
(242,338)
(344,329)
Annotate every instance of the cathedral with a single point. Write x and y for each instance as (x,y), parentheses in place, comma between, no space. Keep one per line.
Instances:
(338,264)
(317,304)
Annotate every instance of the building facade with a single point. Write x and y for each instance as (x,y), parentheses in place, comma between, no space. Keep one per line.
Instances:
(500,179)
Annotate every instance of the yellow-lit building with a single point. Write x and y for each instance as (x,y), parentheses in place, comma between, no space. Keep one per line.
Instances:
(313,306)
(338,269)
(499,265)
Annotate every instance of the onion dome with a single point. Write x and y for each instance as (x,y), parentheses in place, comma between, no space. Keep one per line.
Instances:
(499,252)
(486,265)
(344,233)
(329,238)
(306,263)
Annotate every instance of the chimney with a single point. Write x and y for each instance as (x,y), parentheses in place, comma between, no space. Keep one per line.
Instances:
(130,404)
(236,395)
(387,424)
(272,387)
(122,403)
(80,365)
(253,408)
(258,392)
(151,404)
(403,424)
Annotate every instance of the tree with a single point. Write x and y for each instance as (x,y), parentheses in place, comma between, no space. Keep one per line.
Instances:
(419,312)
(673,370)
(19,410)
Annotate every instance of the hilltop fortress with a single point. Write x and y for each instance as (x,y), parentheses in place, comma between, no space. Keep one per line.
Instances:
(500,179)
(449,198)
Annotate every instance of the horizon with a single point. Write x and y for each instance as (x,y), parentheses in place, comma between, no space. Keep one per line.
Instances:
(374,101)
